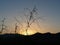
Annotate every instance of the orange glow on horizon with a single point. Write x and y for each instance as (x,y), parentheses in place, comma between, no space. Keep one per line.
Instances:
(30,32)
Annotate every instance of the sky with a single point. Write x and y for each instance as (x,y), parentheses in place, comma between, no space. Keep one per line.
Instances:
(48,10)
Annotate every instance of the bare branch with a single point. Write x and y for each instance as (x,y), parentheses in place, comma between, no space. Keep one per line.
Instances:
(3,25)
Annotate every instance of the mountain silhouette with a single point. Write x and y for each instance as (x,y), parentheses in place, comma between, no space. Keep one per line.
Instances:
(38,38)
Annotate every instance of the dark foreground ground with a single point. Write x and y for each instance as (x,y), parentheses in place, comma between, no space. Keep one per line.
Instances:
(37,39)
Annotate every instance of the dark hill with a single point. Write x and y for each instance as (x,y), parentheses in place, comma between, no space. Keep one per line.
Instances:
(37,38)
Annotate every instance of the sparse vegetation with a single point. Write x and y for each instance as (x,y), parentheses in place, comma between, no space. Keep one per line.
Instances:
(3,26)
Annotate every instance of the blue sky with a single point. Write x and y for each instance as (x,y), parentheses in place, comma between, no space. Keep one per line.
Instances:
(48,9)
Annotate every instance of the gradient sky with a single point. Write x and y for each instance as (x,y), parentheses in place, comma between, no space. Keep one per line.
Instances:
(49,10)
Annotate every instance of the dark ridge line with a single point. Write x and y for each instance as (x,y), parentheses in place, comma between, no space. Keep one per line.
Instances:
(48,33)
